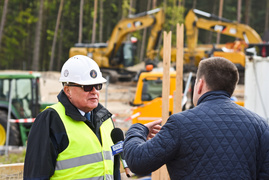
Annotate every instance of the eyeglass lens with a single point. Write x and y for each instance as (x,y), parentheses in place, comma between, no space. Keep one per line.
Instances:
(90,87)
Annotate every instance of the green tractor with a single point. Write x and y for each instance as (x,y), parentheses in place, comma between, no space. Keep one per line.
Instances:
(24,89)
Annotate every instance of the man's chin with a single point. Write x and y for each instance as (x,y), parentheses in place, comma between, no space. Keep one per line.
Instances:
(93,105)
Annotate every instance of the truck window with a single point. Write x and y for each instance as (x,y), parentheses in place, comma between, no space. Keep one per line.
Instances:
(151,89)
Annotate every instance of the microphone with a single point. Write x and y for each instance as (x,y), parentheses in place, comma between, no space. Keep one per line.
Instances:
(118,138)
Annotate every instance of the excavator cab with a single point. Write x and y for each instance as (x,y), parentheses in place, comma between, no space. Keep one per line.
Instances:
(125,56)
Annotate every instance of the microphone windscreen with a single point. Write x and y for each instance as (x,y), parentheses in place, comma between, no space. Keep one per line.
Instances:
(117,135)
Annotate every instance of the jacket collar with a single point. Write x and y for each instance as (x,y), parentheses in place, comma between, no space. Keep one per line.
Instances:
(213,95)
(99,113)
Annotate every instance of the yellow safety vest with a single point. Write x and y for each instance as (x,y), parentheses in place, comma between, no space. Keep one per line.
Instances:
(85,157)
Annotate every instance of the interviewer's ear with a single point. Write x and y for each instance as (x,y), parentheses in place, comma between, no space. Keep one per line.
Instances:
(200,84)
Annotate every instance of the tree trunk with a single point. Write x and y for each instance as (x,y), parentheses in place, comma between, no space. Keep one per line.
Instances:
(194,4)
(266,17)
(94,21)
(247,11)
(128,37)
(220,15)
(60,50)
(80,21)
(153,4)
(101,22)
(210,33)
(141,58)
(35,65)
(239,6)
(3,20)
(55,36)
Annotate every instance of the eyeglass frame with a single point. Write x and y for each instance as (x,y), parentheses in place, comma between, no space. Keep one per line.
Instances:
(98,87)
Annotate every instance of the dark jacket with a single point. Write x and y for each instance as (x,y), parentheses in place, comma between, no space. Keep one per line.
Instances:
(215,140)
(48,138)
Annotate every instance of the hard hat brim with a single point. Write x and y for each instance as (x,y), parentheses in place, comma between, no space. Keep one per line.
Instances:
(92,82)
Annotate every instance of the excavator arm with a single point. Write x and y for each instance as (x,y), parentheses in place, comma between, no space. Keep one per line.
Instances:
(155,35)
(221,25)
(139,21)
(105,54)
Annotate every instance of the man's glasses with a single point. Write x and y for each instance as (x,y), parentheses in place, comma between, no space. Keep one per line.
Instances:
(88,88)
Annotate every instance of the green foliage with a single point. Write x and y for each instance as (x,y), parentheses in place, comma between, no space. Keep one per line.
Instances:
(19,32)
(174,15)
(16,36)
(125,8)
(50,34)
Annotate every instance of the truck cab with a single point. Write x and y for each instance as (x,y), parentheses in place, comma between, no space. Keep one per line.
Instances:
(148,97)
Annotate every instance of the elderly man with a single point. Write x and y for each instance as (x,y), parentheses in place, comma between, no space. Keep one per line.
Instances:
(71,139)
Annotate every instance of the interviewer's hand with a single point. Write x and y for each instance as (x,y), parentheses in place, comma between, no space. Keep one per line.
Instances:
(154,127)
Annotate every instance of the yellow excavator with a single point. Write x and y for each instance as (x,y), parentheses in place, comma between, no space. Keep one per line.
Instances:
(116,55)
(233,51)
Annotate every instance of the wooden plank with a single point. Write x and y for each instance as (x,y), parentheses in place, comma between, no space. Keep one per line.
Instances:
(11,171)
(166,77)
(162,172)
(179,70)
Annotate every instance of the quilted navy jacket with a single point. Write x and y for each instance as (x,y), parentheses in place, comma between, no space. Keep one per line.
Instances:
(215,140)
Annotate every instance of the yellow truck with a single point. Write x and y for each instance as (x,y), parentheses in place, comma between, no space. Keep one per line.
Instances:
(148,96)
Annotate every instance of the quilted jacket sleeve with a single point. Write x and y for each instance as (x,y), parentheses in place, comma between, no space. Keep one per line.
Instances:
(144,157)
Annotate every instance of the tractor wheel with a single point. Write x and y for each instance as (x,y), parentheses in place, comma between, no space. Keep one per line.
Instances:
(14,133)
(2,135)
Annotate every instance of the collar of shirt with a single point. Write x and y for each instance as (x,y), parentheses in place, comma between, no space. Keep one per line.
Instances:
(82,112)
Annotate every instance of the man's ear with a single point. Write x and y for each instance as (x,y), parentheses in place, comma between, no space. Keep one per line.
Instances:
(67,91)
(201,85)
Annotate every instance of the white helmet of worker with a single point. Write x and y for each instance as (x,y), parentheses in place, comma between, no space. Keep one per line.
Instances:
(81,70)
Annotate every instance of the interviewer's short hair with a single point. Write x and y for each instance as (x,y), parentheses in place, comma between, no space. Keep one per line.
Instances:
(219,74)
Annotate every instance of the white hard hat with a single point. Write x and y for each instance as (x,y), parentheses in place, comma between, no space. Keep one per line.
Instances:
(81,70)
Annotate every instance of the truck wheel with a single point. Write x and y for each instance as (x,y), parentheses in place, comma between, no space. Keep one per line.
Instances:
(14,133)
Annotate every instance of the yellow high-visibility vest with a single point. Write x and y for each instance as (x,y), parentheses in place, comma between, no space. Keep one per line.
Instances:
(85,157)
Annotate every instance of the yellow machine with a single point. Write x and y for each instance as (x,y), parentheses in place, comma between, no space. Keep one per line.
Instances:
(232,51)
(115,55)
(148,97)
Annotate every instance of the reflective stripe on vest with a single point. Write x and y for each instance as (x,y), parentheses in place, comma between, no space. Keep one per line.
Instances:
(85,157)
(82,160)
(108,177)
